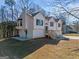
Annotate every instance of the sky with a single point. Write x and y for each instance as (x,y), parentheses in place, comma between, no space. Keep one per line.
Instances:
(47,4)
(1,2)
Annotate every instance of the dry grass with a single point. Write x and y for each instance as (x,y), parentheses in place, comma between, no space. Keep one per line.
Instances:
(63,50)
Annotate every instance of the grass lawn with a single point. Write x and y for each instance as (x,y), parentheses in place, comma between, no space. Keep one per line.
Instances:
(40,49)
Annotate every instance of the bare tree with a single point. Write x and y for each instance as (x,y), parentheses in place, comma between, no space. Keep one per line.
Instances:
(11,4)
(66,9)
(24,4)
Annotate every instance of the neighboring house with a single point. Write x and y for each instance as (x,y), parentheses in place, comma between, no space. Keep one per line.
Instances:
(71,29)
(75,27)
(54,27)
(36,25)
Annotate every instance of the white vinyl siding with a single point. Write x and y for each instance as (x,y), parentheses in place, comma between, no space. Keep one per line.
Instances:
(37,33)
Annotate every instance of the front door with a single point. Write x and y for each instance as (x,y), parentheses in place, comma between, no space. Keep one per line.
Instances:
(17,32)
(26,33)
(46,29)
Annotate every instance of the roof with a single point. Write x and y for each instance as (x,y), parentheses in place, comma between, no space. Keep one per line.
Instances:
(34,14)
(48,18)
(56,19)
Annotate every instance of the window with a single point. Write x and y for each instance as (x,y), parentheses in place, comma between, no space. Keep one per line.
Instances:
(20,22)
(51,24)
(39,22)
(58,24)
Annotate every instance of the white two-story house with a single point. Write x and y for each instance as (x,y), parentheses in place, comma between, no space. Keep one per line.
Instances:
(37,25)
(31,25)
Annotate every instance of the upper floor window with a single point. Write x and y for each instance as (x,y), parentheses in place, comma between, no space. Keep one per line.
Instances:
(59,25)
(39,22)
(51,24)
(20,22)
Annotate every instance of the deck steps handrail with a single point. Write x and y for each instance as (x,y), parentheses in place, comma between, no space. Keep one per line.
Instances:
(52,34)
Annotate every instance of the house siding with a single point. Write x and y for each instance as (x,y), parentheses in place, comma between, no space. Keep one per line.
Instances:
(35,30)
(59,29)
(55,29)
(54,24)
(22,33)
(29,22)
(39,31)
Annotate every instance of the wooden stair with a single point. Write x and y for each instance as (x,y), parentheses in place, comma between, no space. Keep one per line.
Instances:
(52,34)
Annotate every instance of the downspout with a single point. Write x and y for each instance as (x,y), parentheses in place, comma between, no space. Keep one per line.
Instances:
(56,28)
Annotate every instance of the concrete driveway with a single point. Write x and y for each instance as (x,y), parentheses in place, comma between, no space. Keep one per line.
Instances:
(72,37)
